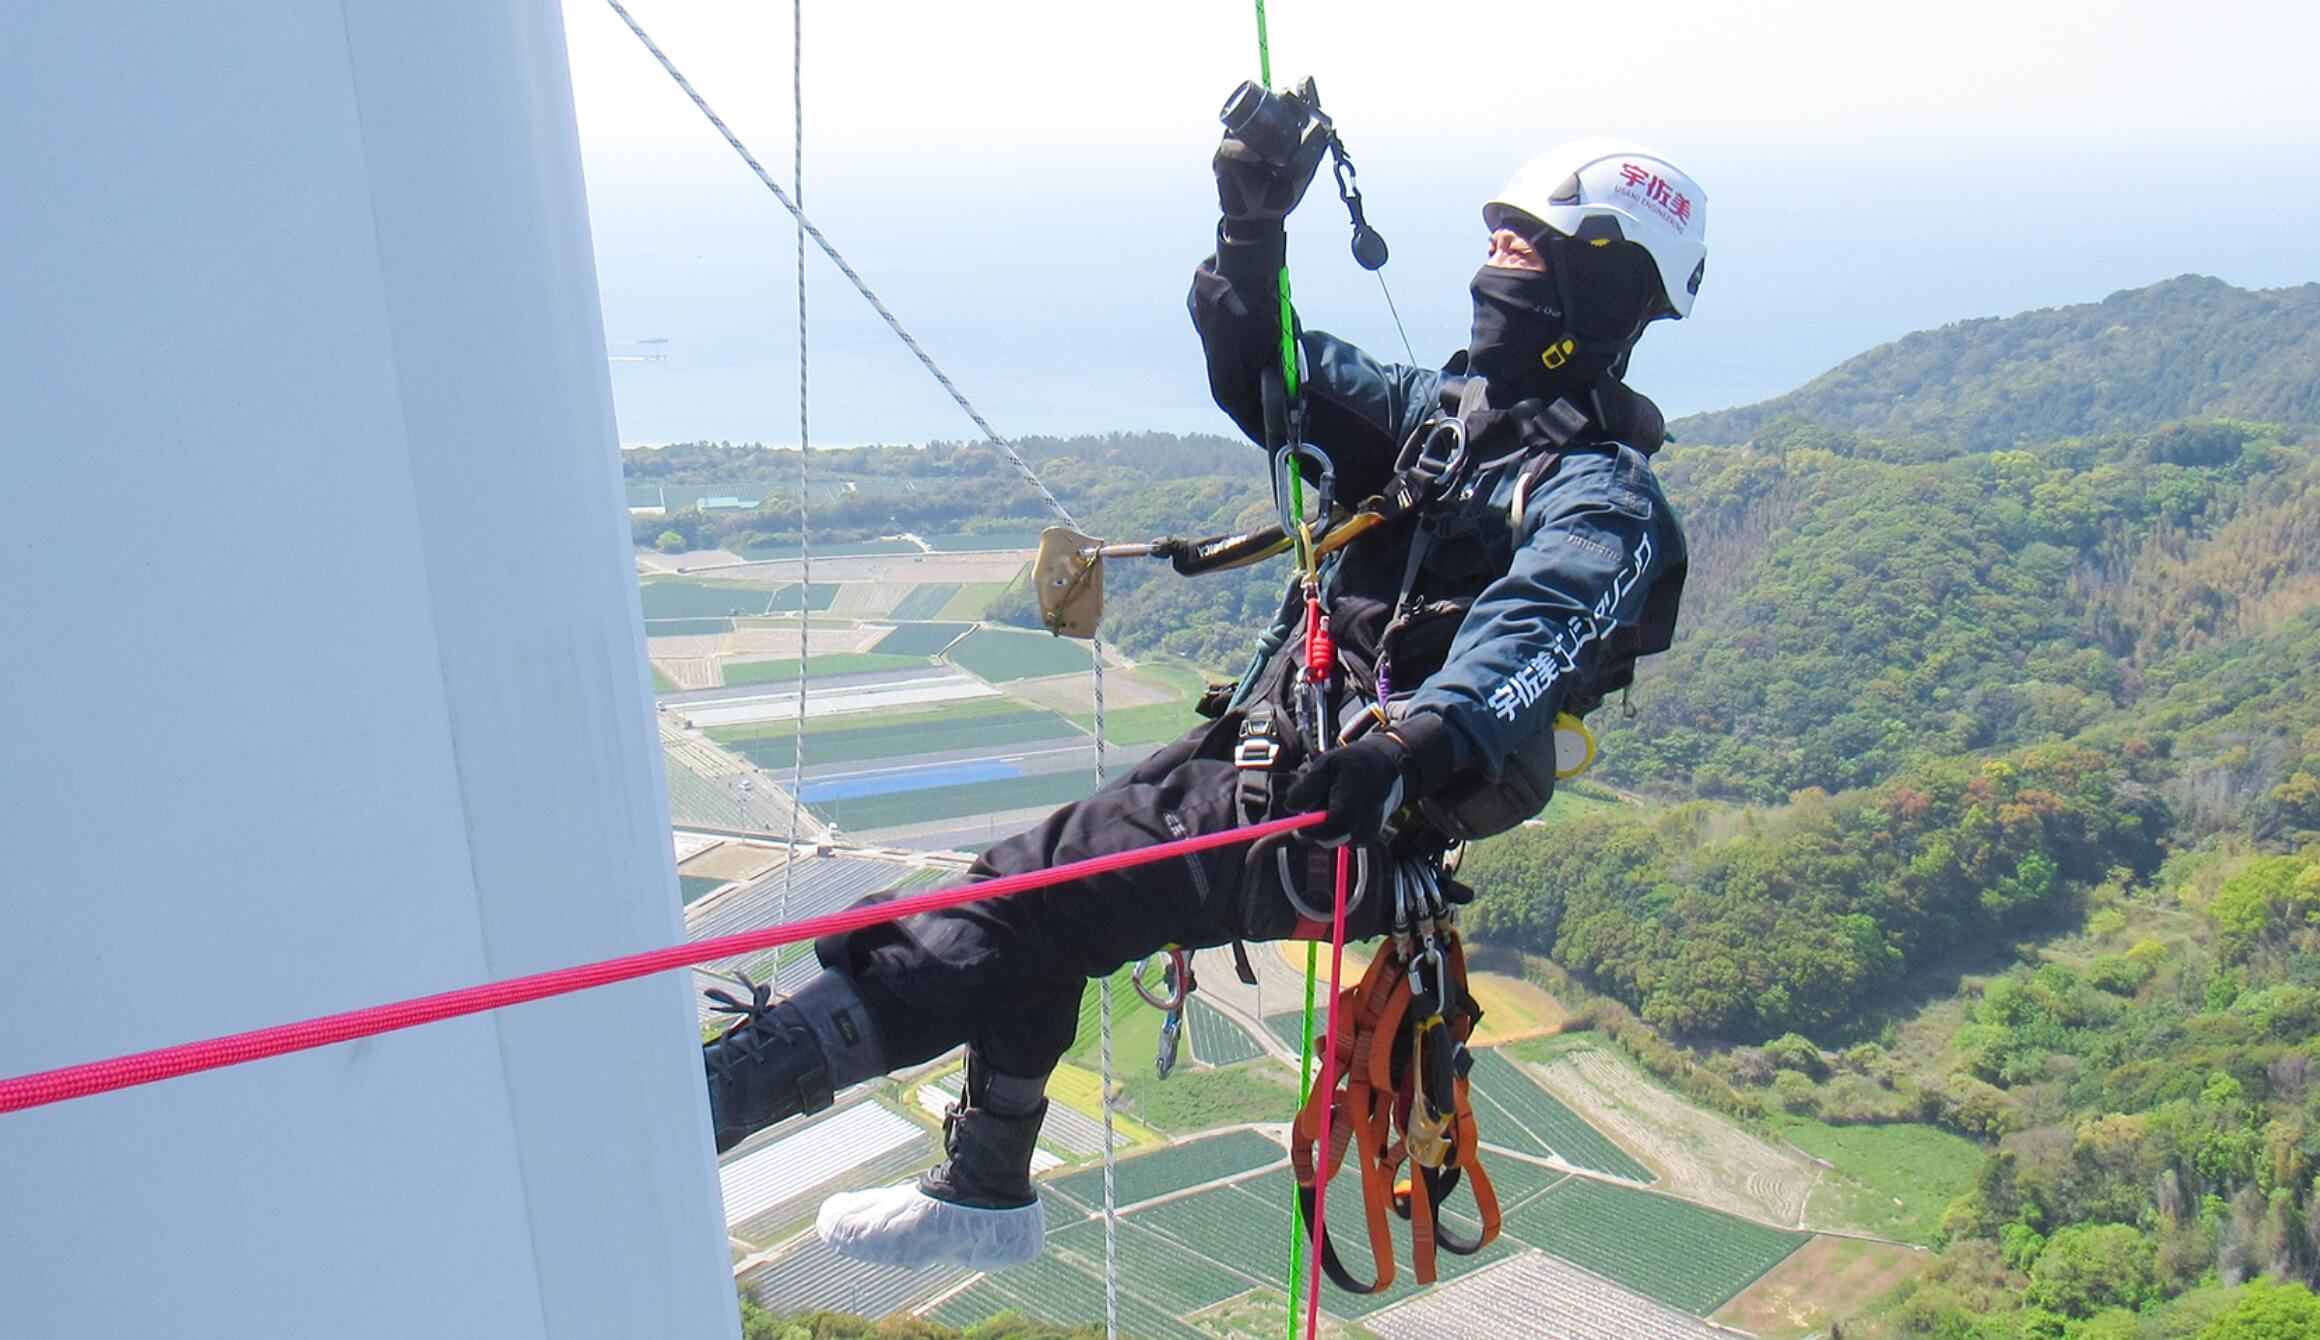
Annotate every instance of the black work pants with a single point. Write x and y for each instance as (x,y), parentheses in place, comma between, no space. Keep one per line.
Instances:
(1005,976)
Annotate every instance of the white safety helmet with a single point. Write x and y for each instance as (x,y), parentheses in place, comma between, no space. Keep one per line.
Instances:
(1604,188)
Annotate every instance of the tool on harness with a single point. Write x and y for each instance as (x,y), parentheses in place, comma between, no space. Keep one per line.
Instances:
(1402,1098)
(1176,988)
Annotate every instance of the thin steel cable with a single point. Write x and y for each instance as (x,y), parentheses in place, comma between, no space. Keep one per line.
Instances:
(893,323)
(1030,478)
(797,183)
(1397,315)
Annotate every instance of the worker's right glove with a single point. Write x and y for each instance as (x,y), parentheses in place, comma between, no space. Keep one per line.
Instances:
(1358,785)
(1251,190)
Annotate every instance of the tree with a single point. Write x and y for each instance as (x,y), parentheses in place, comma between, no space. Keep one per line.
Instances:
(2268,1310)
(2087,1268)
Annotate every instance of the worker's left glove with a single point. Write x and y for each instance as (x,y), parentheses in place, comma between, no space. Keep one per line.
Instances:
(1358,785)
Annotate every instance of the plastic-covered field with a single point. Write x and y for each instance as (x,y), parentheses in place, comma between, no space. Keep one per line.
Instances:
(1217,1040)
(919,639)
(1683,1254)
(1001,656)
(925,601)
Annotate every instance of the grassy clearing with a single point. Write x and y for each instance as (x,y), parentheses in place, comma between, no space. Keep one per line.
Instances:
(818,667)
(862,743)
(1001,656)
(920,639)
(1893,1181)
(972,600)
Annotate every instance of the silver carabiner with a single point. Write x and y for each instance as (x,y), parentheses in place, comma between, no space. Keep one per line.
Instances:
(1326,916)
(1284,498)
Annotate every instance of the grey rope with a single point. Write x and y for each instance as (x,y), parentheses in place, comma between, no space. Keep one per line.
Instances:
(1397,315)
(1030,478)
(797,182)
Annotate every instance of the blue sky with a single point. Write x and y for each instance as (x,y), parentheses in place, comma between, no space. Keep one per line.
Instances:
(1027,184)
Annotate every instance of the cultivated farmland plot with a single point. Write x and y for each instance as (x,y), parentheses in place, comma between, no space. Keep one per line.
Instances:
(1505,1096)
(920,639)
(1680,1253)
(1217,1040)
(1172,1169)
(1002,657)
(925,601)
(1705,1157)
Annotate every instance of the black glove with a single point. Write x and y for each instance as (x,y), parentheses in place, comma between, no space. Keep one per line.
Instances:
(1252,190)
(1357,784)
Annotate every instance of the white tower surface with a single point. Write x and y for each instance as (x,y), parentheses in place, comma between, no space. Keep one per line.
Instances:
(325,687)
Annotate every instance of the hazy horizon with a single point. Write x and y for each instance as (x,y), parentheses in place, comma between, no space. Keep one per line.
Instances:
(1037,238)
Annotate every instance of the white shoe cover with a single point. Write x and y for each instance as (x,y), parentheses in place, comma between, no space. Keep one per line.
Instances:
(904,1226)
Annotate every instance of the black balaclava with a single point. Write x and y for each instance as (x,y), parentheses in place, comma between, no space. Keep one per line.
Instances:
(1559,332)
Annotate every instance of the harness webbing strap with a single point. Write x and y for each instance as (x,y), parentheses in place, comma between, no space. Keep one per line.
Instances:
(1386,1049)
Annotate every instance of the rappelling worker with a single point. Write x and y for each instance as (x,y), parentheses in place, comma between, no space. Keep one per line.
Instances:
(1532,560)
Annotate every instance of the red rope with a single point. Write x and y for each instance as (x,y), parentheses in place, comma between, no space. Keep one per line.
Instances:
(80,1081)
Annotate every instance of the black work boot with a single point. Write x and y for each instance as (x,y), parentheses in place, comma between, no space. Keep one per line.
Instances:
(989,1163)
(768,1066)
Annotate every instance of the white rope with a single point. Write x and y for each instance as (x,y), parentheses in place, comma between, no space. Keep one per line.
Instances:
(1030,478)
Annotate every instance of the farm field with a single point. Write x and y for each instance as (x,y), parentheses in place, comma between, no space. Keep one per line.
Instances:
(1005,656)
(920,639)
(1217,1040)
(1680,1253)
(925,600)
(697,887)
(972,601)
(966,799)
(1505,1096)
(819,667)
(1829,1277)
(1172,1169)
(848,740)
(686,627)
(1533,1294)
(1699,1154)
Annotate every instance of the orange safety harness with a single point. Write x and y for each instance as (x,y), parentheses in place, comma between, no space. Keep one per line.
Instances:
(1401,1093)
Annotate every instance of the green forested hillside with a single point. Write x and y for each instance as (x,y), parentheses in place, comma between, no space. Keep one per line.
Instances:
(2186,347)
(1987,773)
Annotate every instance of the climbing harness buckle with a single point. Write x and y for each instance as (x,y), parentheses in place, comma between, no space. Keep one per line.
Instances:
(1257,747)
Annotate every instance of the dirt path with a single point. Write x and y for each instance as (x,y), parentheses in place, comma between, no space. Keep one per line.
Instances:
(1699,1155)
